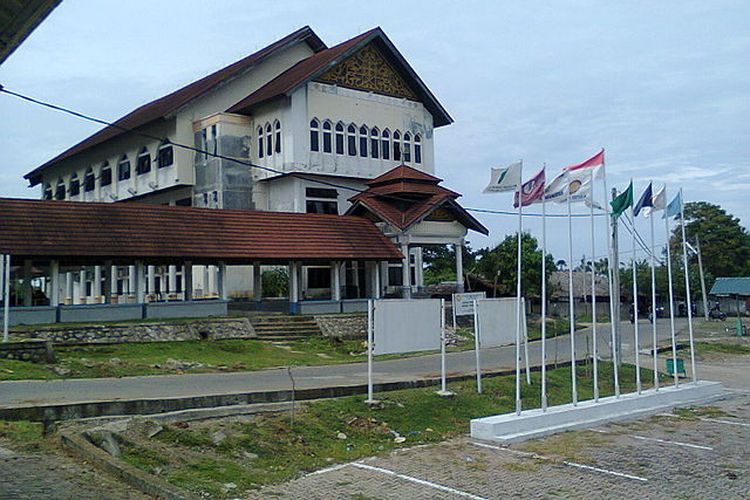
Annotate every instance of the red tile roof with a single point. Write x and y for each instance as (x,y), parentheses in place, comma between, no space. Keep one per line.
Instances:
(161,107)
(77,231)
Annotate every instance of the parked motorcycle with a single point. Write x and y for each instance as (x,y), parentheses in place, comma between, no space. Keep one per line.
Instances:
(717,314)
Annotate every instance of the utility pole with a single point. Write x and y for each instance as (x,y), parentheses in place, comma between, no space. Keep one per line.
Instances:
(703,279)
(616,284)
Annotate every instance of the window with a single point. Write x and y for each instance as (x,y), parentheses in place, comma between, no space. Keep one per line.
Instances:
(395,276)
(165,156)
(184,202)
(326,137)
(89,181)
(314,135)
(277,139)
(418,148)
(75,185)
(60,190)
(143,163)
(123,169)
(397,146)
(339,138)
(318,277)
(321,201)
(47,192)
(203,146)
(321,193)
(407,147)
(269,140)
(363,141)
(105,177)
(214,139)
(260,142)
(385,144)
(374,142)
(351,140)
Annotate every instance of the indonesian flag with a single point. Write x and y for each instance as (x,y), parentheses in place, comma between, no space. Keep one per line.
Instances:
(531,190)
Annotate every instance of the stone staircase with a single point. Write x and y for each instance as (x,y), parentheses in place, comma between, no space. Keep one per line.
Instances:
(283,327)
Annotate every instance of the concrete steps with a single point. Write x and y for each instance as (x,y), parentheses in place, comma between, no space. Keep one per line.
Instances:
(284,327)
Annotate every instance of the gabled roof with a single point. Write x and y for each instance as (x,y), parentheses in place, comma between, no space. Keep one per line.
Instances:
(731,286)
(75,231)
(314,66)
(161,107)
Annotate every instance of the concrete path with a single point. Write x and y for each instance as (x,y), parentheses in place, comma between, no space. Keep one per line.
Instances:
(36,393)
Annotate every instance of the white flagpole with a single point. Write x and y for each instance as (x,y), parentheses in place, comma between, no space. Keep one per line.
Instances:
(613,320)
(571,309)
(635,305)
(593,292)
(370,347)
(518,292)
(653,295)
(671,296)
(687,289)
(544,293)
(477,344)
(6,297)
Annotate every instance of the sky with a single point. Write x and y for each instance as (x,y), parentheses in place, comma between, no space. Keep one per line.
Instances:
(663,86)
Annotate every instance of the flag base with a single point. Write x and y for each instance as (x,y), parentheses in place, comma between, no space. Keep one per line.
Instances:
(445,394)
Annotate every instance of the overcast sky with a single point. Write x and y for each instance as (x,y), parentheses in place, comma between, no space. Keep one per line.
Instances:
(663,86)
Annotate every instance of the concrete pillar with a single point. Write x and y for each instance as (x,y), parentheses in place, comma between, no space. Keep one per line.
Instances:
(151,280)
(109,272)
(54,276)
(376,289)
(257,282)
(294,295)
(139,285)
(418,269)
(27,290)
(406,271)
(172,280)
(221,281)
(96,290)
(459,249)
(131,281)
(82,286)
(335,280)
(188,280)
(206,280)
(68,287)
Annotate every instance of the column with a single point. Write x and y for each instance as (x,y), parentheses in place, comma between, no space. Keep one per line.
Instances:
(336,280)
(406,272)
(375,280)
(82,286)
(418,269)
(151,282)
(221,281)
(172,280)
(139,284)
(188,280)
(27,290)
(131,282)
(96,290)
(108,274)
(459,250)
(206,279)
(68,287)
(293,281)
(54,272)
(257,282)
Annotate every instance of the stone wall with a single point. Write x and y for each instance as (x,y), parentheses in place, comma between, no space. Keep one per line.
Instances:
(36,351)
(343,326)
(157,331)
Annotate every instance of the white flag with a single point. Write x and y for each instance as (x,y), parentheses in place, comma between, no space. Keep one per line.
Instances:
(505,179)
(659,202)
(573,183)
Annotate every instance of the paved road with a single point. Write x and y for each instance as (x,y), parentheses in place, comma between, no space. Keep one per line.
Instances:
(30,393)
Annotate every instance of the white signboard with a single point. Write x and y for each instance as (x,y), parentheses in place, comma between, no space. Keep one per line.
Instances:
(403,325)
(497,322)
(463,303)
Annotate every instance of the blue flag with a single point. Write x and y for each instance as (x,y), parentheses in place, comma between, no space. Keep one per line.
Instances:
(646,200)
(675,206)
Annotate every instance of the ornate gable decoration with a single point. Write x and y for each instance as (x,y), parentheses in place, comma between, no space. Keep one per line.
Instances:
(368,70)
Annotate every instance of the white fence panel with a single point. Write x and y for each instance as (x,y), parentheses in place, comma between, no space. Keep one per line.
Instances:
(497,321)
(403,325)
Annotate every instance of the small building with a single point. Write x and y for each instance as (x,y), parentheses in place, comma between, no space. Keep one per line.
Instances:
(732,294)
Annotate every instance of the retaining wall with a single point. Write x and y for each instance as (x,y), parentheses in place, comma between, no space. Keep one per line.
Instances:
(343,326)
(36,351)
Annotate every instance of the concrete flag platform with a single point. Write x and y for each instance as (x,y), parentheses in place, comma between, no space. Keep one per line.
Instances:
(511,428)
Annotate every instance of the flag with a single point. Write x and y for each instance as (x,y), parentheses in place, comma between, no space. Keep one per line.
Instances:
(675,206)
(573,183)
(505,179)
(658,202)
(595,161)
(623,201)
(531,190)
(646,201)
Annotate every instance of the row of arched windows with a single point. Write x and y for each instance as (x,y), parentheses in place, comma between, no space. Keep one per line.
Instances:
(365,142)
(164,158)
(269,139)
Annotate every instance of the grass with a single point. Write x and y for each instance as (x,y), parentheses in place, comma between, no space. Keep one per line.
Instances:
(269,448)
(703,348)
(23,435)
(555,327)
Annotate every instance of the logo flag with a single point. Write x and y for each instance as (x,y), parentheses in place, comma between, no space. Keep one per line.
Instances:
(658,202)
(623,201)
(646,201)
(505,179)
(675,207)
(531,190)
(573,183)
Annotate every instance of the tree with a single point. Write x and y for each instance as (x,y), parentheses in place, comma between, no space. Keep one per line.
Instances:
(500,263)
(440,261)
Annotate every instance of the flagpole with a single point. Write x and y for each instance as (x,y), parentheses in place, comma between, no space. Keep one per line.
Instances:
(671,295)
(571,310)
(544,292)
(653,296)
(607,222)
(635,305)
(518,292)
(687,289)
(593,292)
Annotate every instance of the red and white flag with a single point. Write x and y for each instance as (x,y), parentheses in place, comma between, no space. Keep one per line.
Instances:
(531,190)
(595,161)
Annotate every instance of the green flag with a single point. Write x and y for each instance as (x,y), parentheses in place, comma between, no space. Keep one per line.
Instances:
(623,201)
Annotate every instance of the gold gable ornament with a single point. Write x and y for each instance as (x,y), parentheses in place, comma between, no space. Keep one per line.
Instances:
(368,70)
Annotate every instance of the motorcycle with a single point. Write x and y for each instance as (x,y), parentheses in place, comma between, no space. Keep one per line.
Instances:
(717,314)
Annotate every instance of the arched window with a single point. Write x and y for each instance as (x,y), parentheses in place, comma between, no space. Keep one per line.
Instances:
(374,142)
(89,181)
(326,137)
(165,156)
(269,140)
(75,185)
(47,192)
(407,147)
(418,148)
(143,163)
(260,142)
(339,138)
(277,139)
(351,139)
(60,190)
(105,175)
(123,169)
(314,135)
(397,146)
(363,133)
(385,145)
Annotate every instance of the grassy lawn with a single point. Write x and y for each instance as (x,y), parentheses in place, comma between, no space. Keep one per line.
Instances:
(709,348)
(265,449)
